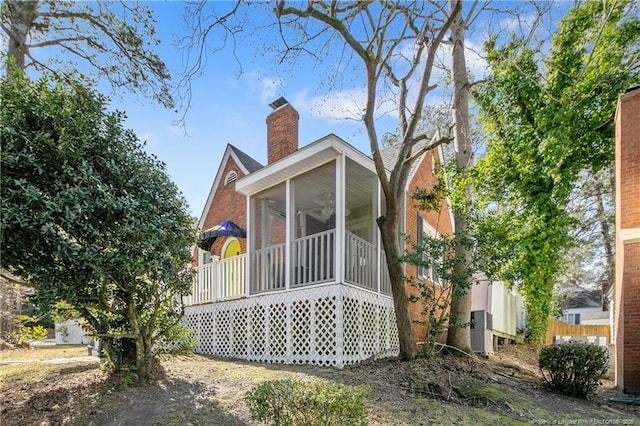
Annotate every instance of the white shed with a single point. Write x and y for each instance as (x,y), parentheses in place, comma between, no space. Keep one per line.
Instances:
(71,333)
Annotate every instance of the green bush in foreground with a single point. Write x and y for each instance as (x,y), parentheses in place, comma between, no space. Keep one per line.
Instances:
(573,368)
(289,402)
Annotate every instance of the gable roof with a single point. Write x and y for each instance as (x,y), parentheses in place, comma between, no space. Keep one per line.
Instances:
(246,164)
(245,160)
(583,299)
(390,154)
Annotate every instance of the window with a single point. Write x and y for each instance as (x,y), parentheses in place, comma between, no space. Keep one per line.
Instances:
(571,318)
(425,231)
(205,257)
(232,176)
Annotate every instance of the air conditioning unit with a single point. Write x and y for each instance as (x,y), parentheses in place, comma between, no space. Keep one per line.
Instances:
(482,332)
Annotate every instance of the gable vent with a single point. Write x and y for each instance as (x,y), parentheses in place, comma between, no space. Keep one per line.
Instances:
(232,176)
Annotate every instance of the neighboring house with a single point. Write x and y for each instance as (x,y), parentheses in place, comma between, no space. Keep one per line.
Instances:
(584,307)
(497,314)
(626,300)
(308,284)
(13,300)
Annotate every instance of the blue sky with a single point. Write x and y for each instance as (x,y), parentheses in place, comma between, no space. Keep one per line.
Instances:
(230,106)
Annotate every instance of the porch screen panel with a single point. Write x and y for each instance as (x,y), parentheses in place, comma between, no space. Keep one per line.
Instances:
(313,243)
(268,260)
(361,237)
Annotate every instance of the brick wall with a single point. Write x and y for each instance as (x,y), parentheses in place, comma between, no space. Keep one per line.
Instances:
(227,204)
(282,132)
(627,292)
(438,219)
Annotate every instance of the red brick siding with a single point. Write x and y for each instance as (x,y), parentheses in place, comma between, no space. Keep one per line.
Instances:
(227,204)
(282,133)
(439,219)
(627,294)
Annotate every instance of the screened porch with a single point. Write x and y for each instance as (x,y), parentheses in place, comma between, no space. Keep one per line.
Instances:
(315,225)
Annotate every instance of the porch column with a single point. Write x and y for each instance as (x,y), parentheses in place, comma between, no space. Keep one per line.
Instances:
(250,244)
(340,212)
(376,213)
(289,231)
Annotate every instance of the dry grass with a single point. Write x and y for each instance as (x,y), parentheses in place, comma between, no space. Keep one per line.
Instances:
(43,353)
(201,390)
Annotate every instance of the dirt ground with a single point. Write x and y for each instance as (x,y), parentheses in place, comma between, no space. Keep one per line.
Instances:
(200,390)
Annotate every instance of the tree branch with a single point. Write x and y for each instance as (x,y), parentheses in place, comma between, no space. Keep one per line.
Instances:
(427,147)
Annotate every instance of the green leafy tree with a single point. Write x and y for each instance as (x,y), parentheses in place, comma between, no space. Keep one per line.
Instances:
(89,218)
(548,121)
(114,41)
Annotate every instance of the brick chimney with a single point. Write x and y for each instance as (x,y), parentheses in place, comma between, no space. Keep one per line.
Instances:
(282,130)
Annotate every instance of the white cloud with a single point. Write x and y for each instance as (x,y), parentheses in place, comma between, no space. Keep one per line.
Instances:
(476,63)
(340,105)
(146,137)
(267,88)
(348,104)
(520,23)
(4,45)
(270,89)
(177,131)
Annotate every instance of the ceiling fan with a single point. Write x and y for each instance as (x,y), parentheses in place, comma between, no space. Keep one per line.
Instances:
(328,206)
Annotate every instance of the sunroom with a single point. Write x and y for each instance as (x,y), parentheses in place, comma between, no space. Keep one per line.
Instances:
(313,287)
(311,220)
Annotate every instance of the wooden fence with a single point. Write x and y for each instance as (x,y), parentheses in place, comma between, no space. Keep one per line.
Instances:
(559,328)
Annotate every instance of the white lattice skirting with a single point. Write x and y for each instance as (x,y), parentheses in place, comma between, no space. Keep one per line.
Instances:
(330,325)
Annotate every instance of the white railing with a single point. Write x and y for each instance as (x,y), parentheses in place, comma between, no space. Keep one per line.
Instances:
(268,268)
(313,258)
(360,262)
(361,265)
(203,289)
(312,262)
(232,274)
(219,280)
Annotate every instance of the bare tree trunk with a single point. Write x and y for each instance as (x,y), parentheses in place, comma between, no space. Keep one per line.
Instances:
(143,354)
(22,14)
(389,226)
(605,233)
(459,334)
(378,53)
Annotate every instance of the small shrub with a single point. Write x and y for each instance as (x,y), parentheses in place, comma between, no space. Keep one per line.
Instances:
(177,340)
(573,368)
(289,402)
(22,335)
(39,332)
(128,375)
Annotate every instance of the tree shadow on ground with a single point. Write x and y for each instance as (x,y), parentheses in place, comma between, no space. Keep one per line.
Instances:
(82,395)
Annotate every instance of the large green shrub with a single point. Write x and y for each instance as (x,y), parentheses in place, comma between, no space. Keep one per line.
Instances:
(289,402)
(573,368)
